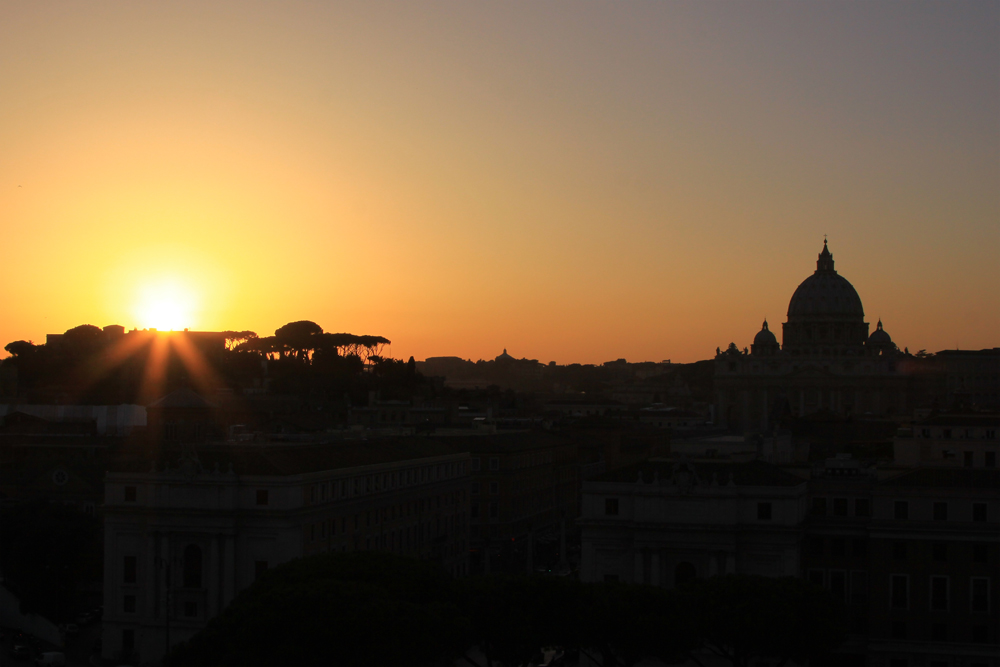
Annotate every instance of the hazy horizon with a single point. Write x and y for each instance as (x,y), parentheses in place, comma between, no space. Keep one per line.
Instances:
(574,183)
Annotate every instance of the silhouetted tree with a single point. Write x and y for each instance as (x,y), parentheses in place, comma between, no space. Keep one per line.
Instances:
(45,552)
(298,338)
(236,338)
(359,608)
(82,339)
(20,348)
(745,618)
(625,623)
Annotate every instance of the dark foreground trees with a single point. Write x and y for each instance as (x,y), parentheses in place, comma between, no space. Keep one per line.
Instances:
(46,552)
(748,618)
(336,609)
(379,609)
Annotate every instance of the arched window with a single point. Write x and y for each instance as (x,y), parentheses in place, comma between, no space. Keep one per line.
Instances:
(192,566)
(683,573)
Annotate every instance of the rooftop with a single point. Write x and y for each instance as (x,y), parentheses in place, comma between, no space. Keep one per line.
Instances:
(751,473)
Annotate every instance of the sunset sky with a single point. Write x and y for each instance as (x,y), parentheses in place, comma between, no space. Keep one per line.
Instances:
(575,182)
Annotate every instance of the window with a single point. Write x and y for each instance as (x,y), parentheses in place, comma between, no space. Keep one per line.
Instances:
(899,550)
(494,511)
(819,506)
(262,496)
(128,641)
(475,487)
(990,460)
(129,569)
(838,547)
(192,566)
(838,584)
(980,594)
(862,507)
(967,459)
(611,506)
(684,572)
(899,629)
(474,510)
(860,547)
(939,551)
(764,511)
(816,546)
(128,604)
(980,553)
(840,506)
(901,510)
(130,494)
(494,488)
(979,511)
(476,464)
(940,511)
(494,463)
(939,593)
(259,568)
(190,608)
(859,587)
(899,591)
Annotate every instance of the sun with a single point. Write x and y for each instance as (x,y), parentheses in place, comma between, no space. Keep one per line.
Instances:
(167,305)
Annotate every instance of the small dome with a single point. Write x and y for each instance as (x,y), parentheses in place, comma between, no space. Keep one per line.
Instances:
(880,336)
(765,337)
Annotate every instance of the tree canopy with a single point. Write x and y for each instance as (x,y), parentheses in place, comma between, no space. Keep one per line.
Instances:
(350,609)
(377,608)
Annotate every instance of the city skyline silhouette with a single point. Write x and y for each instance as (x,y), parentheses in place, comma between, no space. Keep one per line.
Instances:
(576,184)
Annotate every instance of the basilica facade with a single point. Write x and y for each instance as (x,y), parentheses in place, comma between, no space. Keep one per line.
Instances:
(827,363)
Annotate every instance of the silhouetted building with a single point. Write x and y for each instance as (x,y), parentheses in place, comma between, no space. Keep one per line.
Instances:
(667,521)
(972,377)
(950,441)
(181,540)
(524,486)
(914,554)
(828,362)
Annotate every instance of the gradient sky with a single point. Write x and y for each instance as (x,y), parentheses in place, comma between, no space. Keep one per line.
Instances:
(574,182)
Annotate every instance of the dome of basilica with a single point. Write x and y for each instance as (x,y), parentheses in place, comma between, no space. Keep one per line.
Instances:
(825,294)
(765,336)
(880,336)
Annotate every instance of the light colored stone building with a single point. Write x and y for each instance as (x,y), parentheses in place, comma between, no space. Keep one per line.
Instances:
(667,521)
(181,541)
(949,441)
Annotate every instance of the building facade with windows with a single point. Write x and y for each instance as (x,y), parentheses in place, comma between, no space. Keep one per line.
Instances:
(949,441)
(525,487)
(913,554)
(666,521)
(182,540)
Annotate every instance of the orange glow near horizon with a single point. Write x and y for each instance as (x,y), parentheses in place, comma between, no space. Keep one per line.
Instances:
(572,183)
